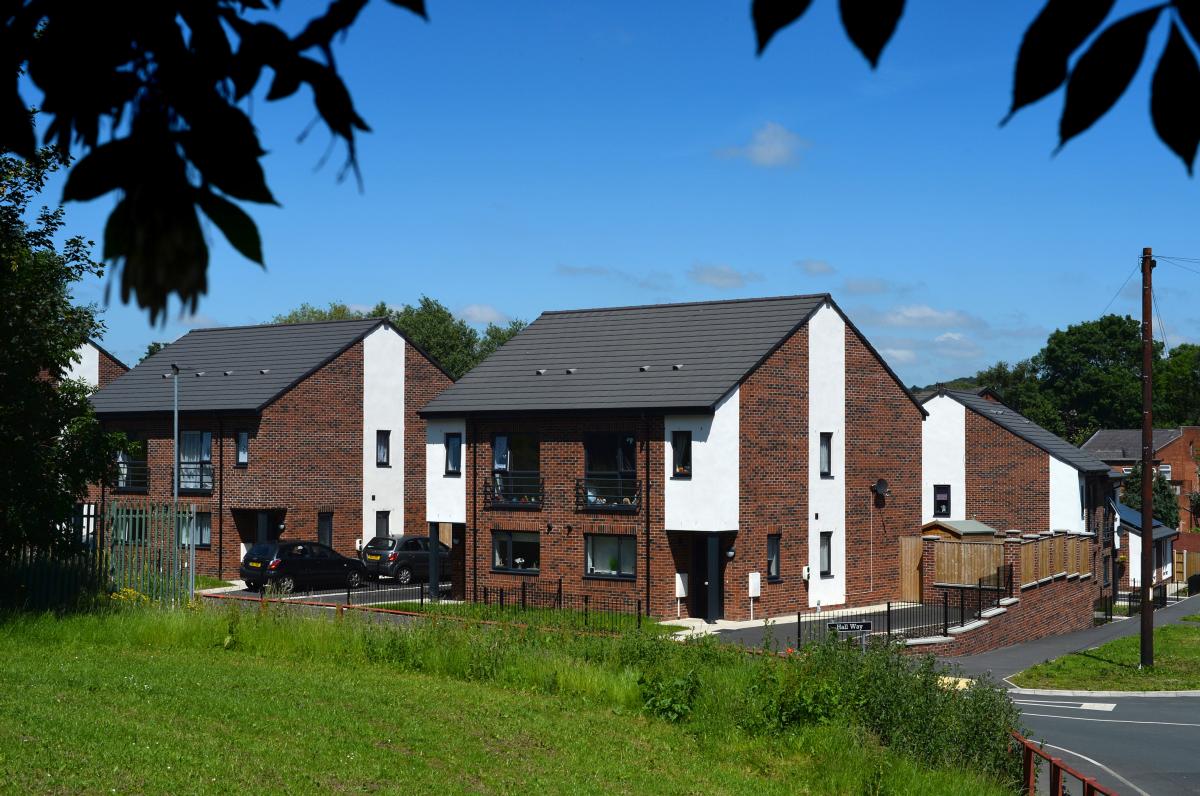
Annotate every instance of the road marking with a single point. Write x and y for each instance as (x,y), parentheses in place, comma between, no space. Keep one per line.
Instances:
(1098,764)
(1102,706)
(1111,721)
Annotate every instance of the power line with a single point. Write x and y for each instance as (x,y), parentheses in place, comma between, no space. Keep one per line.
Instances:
(1161,325)
(1122,287)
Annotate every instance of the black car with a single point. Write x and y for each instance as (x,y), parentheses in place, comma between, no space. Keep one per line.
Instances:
(289,565)
(405,558)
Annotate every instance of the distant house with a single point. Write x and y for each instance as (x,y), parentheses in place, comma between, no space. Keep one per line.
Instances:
(1130,546)
(93,366)
(309,430)
(1174,459)
(686,455)
(983,461)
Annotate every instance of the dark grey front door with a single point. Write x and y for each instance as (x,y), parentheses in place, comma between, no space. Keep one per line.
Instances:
(705,582)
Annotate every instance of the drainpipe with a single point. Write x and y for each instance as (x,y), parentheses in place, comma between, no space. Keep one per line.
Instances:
(221,500)
(646,500)
(473,442)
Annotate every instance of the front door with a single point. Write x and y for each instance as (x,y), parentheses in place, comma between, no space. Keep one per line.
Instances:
(705,582)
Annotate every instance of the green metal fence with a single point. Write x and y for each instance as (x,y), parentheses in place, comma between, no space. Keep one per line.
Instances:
(145,550)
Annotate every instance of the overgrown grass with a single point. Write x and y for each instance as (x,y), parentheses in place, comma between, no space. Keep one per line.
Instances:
(551,617)
(1114,666)
(209,582)
(145,700)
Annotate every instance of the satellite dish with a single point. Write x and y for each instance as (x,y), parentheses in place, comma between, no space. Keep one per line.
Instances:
(880,488)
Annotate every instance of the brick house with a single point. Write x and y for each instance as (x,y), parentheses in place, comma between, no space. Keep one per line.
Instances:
(1174,459)
(983,461)
(1129,548)
(678,453)
(95,366)
(309,430)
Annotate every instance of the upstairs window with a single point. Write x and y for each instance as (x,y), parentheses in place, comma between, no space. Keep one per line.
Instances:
(243,449)
(383,448)
(516,473)
(454,454)
(1165,471)
(826,454)
(681,451)
(941,500)
(195,460)
(610,472)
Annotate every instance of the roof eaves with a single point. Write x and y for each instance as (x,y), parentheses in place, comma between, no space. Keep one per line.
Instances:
(107,353)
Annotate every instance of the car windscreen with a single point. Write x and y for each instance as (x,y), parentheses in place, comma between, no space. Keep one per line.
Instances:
(262,550)
(381,543)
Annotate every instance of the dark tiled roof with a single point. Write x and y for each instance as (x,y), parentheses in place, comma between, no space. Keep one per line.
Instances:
(1121,444)
(626,358)
(1029,431)
(287,352)
(1131,519)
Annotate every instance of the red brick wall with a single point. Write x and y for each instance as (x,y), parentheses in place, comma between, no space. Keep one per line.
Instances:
(883,440)
(422,382)
(1008,479)
(560,526)
(110,369)
(1181,455)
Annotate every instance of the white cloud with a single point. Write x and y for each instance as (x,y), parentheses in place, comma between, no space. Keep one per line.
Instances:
(721,276)
(921,316)
(815,267)
(199,320)
(482,314)
(956,345)
(772,146)
(902,356)
(651,280)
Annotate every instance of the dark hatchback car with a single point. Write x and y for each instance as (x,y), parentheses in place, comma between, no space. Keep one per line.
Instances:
(290,565)
(405,558)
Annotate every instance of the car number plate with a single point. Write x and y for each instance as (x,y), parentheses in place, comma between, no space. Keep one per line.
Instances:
(256,564)
(372,558)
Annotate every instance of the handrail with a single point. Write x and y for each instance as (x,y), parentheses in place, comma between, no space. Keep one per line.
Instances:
(1029,771)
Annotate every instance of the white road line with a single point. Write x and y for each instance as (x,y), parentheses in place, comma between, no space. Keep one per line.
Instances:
(1111,721)
(1098,764)
(1102,706)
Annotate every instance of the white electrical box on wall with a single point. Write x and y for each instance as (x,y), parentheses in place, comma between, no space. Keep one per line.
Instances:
(681,579)
(755,584)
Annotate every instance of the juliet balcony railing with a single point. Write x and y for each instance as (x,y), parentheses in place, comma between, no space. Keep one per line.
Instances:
(132,476)
(609,492)
(514,490)
(195,477)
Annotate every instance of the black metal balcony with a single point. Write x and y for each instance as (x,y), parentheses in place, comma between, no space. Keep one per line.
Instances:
(195,477)
(132,476)
(515,490)
(607,493)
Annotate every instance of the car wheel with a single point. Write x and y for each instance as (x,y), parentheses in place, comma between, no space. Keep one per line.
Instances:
(286,585)
(252,585)
(404,575)
(354,579)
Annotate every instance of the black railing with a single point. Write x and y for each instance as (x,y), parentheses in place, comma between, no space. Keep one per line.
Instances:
(516,490)
(896,620)
(196,476)
(132,476)
(535,603)
(607,493)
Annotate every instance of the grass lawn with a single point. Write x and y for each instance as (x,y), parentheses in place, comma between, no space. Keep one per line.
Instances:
(209,582)
(146,702)
(1114,666)
(612,622)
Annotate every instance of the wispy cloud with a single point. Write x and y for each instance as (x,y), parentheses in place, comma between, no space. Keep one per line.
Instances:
(772,146)
(870,286)
(920,316)
(721,276)
(815,267)
(956,345)
(899,356)
(650,280)
(482,314)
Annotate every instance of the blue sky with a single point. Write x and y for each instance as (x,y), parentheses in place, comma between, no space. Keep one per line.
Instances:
(539,155)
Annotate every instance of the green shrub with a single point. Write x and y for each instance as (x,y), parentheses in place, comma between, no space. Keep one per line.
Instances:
(669,696)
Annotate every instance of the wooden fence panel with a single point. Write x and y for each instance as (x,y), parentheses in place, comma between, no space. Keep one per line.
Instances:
(1028,563)
(964,563)
(910,568)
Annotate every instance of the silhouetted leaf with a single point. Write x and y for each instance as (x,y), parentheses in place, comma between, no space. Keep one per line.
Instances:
(870,24)
(332,99)
(238,228)
(771,16)
(1175,97)
(319,31)
(1189,12)
(1059,30)
(223,146)
(118,232)
(103,169)
(16,127)
(1103,72)
(415,6)
(286,82)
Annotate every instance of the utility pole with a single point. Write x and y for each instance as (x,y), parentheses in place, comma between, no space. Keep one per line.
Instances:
(1147,574)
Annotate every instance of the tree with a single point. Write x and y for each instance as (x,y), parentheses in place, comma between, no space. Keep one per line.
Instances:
(429,325)
(1177,387)
(153,348)
(1166,504)
(169,82)
(53,444)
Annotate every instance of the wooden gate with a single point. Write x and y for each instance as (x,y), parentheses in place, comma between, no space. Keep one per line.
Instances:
(910,568)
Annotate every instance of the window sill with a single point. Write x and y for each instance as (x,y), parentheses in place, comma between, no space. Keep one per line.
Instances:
(825,477)
(774,580)
(826,577)
(183,490)
(533,573)
(241,466)
(198,547)
(451,474)
(382,466)
(681,477)
(616,578)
